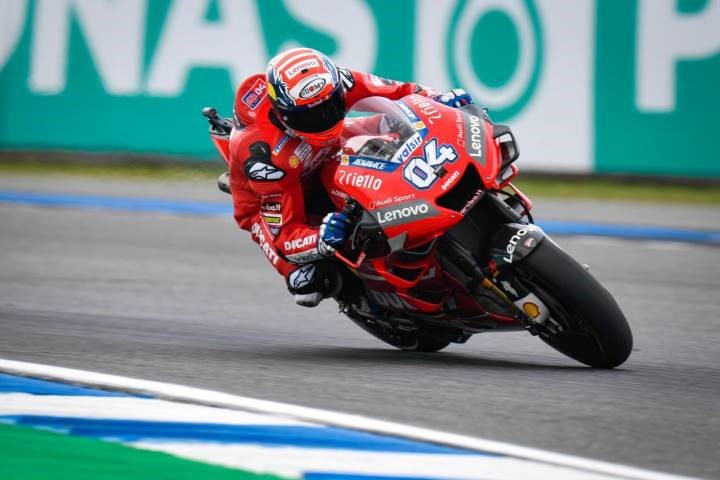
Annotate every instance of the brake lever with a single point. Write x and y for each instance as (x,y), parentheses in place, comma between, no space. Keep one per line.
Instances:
(352,209)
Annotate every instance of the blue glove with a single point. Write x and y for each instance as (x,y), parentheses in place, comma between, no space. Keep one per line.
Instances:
(455,98)
(333,232)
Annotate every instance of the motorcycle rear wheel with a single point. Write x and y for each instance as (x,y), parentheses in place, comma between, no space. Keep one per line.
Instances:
(594,329)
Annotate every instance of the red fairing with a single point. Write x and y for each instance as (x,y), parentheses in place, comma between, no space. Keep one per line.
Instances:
(404,174)
(269,170)
(222,144)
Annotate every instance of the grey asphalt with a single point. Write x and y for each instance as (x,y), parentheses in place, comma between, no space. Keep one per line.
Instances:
(190,300)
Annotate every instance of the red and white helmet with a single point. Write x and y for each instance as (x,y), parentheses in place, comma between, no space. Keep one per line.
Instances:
(307,95)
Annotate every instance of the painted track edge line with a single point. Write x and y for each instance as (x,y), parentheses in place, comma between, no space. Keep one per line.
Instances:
(186,394)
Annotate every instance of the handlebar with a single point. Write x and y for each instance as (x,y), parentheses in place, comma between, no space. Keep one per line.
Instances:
(219,125)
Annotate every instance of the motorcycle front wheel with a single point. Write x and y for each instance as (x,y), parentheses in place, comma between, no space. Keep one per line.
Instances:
(593,330)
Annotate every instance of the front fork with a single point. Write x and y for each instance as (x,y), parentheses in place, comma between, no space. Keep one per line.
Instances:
(509,246)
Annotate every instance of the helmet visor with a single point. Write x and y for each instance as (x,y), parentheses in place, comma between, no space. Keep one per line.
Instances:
(317,118)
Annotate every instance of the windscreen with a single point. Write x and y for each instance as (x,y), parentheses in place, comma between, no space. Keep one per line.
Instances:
(380,128)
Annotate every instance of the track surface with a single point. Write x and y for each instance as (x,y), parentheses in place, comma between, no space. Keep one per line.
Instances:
(189,300)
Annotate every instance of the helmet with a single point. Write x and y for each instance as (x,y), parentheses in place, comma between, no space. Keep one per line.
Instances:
(307,95)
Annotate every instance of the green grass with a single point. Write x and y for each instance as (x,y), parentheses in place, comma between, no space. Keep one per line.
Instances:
(35,454)
(621,189)
(132,171)
(604,188)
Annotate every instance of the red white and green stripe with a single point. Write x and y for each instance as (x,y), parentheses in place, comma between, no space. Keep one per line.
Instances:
(56,429)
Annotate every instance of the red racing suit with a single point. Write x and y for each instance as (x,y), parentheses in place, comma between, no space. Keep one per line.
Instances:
(269,169)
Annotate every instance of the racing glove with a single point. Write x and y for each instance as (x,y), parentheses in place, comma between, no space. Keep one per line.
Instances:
(455,98)
(313,282)
(333,233)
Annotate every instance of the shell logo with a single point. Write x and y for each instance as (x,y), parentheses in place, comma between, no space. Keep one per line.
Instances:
(531,309)
(294,161)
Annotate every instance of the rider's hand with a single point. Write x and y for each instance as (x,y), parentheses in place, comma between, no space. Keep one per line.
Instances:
(455,98)
(333,232)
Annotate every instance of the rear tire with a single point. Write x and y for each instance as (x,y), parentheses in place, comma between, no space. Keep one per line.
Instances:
(595,331)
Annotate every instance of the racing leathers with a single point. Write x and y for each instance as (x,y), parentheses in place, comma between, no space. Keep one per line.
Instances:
(270,171)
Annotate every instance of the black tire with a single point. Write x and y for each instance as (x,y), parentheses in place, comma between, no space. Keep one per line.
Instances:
(412,340)
(595,331)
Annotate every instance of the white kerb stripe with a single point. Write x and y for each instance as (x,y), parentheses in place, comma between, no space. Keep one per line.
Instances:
(294,462)
(130,408)
(356,422)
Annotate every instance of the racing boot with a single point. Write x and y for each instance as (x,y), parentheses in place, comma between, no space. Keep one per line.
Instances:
(223,182)
(313,282)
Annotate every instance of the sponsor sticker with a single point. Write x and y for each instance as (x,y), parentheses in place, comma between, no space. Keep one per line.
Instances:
(407,148)
(512,244)
(254,96)
(303,242)
(355,179)
(420,171)
(272,207)
(303,151)
(337,193)
(317,160)
(404,213)
(474,137)
(294,161)
(300,66)
(471,203)
(257,231)
(509,288)
(427,108)
(274,219)
(368,162)
(312,87)
(379,81)
(449,181)
(391,200)
(531,309)
(281,143)
(408,111)
(304,257)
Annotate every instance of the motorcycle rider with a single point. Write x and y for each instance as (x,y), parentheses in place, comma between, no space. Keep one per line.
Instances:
(286,124)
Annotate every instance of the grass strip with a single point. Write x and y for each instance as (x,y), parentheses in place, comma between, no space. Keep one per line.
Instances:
(32,454)
(602,188)
(625,190)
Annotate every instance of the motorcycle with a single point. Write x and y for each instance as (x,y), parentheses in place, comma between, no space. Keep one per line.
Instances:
(443,245)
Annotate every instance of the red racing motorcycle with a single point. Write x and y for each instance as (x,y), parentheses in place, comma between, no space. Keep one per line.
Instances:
(444,246)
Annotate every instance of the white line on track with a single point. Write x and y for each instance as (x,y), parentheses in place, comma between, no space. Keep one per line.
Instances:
(186,394)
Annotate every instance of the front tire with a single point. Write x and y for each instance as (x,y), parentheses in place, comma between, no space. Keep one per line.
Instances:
(594,329)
